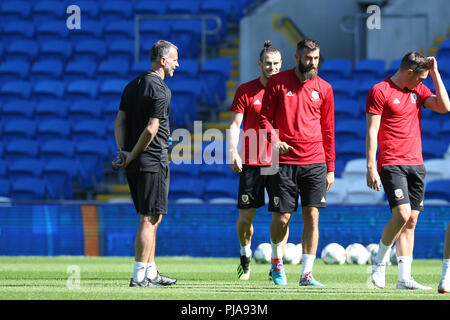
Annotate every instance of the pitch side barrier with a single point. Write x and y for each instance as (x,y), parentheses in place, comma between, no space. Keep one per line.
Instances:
(105,229)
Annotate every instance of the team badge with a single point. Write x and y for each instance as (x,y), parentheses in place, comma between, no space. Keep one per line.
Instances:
(245,199)
(276,201)
(399,194)
(315,95)
(413,97)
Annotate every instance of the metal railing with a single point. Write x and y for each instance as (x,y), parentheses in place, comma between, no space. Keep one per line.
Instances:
(205,32)
(356,29)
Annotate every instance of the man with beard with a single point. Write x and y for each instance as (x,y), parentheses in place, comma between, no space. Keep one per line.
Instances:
(246,108)
(298,114)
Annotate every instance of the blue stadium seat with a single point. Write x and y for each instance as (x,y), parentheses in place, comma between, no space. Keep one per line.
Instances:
(3,168)
(185,96)
(17,110)
(119,30)
(92,50)
(140,67)
(91,154)
(21,149)
(187,34)
(121,50)
(113,68)
(444,50)
(369,69)
(82,89)
(183,171)
(444,131)
(26,50)
(344,89)
(115,10)
(49,89)
(26,168)
(50,109)
(152,29)
(57,149)
(220,8)
(15,90)
(88,130)
(221,188)
(5,188)
(350,129)
(363,89)
(48,10)
(393,67)
(214,171)
(14,11)
(151,7)
(80,70)
(431,128)
(444,68)
(438,189)
(215,73)
(111,90)
(185,188)
(344,108)
(29,189)
(56,50)
(85,109)
(90,9)
(336,69)
(59,175)
(90,30)
(109,112)
(18,30)
(432,148)
(53,30)
(19,129)
(183,7)
(188,69)
(14,70)
(351,149)
(46,70)
(53,129)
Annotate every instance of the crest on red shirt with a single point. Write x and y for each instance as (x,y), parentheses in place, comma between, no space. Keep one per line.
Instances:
(413,97)
(315,95)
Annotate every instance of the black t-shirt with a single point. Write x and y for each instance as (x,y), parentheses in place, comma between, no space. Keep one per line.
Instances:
(145,97)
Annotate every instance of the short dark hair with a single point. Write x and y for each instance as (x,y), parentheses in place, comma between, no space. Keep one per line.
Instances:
(268,49)
(160,49)
(307,43)
(416,61)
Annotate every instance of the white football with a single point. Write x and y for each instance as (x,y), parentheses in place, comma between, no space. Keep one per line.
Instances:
(292,254)
(333,253)
(393,257)
(300,247)
(357,254)
(373,250)
(263,253)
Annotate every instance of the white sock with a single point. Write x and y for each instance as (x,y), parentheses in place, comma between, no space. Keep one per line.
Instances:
(404,267)
(308,262)
(383,254)
(139,271)
(277,250)
(246,251)
(151,270)
(445,270)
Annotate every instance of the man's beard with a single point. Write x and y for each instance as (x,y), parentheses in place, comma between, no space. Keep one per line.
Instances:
(308,72)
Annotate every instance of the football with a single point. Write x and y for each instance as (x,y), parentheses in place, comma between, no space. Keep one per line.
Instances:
(333,253)
(373,250)
(263,253)
(357,254)
(292,254)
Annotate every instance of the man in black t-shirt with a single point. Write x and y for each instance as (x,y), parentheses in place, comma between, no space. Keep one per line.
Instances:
(142,135)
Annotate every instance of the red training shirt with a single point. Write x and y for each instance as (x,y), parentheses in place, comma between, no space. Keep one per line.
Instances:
(399,136)
(248,100)
(304,115)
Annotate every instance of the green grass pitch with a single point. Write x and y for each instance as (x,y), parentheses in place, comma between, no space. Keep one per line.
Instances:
(107,278)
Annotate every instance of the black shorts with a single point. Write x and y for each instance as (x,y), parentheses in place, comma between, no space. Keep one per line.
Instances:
(251,187)
(404,184)
(150,190)
(307,181)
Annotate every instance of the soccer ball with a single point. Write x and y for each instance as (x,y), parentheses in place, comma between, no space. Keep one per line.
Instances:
(333,253)
(357,254)
(299,246)
(263,253)
(373,250)
(393,257)
(292,254)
